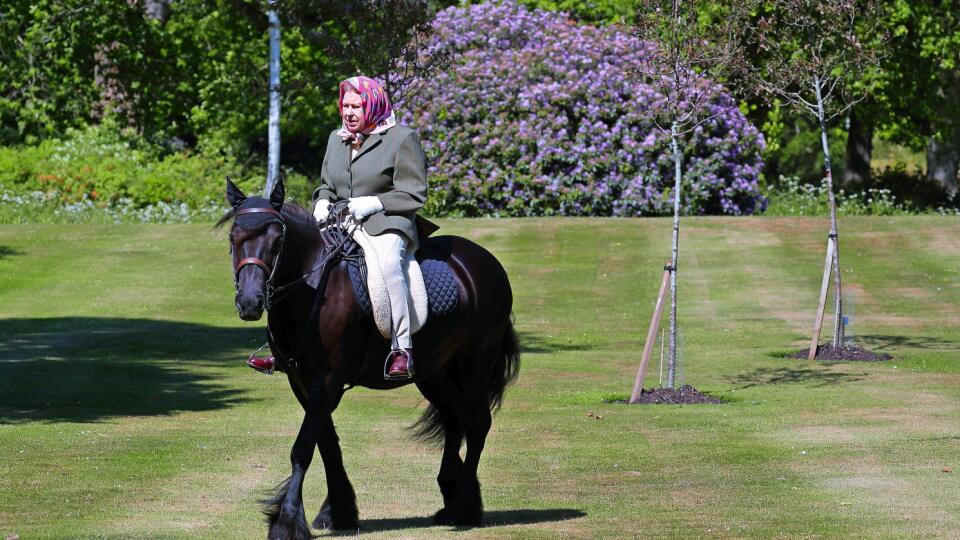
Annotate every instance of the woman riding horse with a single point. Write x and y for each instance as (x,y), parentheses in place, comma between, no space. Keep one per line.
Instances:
(379,167)
(300,274)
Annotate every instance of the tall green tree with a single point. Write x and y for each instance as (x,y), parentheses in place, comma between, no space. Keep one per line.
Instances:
(194,72)
(918,95)
(67,62)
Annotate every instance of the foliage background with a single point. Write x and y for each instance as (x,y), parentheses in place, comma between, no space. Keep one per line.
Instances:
(542,116)
(187,93)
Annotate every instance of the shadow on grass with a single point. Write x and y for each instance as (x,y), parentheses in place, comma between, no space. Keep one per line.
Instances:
(86,369)
(7,251)
(786,375)
(533,343)
(495,518)
(888,343)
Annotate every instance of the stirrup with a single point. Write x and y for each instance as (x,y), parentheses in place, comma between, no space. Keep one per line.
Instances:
(253,357)
(389,360)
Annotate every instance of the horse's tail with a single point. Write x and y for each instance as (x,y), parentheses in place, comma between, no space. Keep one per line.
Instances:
(507,366)
(430,428)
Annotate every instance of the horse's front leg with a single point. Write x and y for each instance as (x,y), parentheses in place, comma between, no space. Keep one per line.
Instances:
(285,510)
(339,510)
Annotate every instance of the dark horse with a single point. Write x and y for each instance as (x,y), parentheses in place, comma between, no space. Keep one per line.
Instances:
(325,344)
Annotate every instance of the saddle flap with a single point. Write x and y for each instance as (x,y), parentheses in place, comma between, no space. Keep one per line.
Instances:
(425,227)
(433,288)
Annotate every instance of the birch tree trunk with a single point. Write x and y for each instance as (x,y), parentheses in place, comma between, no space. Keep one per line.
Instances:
(273,129)
(677,164)
(828,176)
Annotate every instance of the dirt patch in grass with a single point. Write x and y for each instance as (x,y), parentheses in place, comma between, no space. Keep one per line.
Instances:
(882,490)
(913,293)
(784,301)
(877,239)
(686,394)
(940,240)
(844,353)
(793,227)
(929,298)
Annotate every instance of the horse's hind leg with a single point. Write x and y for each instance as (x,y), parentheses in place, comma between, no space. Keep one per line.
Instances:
(468,503)
(475,417)
(440,420)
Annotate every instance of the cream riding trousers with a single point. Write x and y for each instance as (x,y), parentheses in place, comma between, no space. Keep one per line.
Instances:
(391,249)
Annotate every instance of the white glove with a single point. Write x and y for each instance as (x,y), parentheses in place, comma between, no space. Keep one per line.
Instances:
(362,207)
(322,210)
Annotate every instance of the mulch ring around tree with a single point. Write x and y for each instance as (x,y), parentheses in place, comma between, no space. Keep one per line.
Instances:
(846,352)
(686,394)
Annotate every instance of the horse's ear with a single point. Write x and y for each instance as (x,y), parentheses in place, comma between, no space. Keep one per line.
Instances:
(276,196)
(235,197)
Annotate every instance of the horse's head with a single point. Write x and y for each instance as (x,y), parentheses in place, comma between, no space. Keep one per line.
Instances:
(256,240)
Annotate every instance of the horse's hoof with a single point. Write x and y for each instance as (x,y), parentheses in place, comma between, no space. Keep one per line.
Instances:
(469,517)
(345,525)
(443,517)
(344,520)
(446,516)
(328,524)
(323,520)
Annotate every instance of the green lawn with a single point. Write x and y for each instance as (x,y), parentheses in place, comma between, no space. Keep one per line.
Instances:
(126,409)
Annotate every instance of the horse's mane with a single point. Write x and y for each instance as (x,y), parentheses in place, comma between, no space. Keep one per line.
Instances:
(289,210)
(294,210)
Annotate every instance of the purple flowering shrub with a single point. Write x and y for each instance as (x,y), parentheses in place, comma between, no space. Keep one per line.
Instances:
(540,116)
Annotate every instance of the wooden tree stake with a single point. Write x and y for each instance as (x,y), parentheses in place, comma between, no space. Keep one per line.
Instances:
(651,335)
(818,324)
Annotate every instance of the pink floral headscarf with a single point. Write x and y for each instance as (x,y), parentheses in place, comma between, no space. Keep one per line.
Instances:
(377,111)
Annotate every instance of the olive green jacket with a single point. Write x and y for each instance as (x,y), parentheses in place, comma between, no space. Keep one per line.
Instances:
(389,165)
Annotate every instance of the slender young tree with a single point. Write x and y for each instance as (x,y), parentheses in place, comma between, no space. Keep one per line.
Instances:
(273,125)
(812,55)
(690,57)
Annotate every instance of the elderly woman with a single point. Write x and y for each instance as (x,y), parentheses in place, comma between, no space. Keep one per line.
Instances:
(378,166)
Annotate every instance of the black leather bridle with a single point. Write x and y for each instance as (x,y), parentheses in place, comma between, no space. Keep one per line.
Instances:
(258,262)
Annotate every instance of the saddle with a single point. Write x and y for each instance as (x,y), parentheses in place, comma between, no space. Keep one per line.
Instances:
(432,284)
(439,283)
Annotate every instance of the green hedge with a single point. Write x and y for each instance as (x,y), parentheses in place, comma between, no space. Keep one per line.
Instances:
(894,192)
(109,168)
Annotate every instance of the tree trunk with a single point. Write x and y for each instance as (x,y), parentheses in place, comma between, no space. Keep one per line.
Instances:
(677,164)
(828,178)
(273,130)
(943,150)
(943,160)
(859,150)
(157,10)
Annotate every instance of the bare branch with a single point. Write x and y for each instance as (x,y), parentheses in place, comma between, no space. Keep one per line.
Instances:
(804,40)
